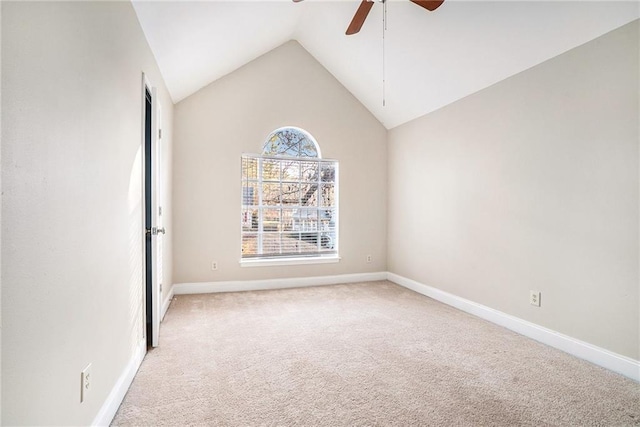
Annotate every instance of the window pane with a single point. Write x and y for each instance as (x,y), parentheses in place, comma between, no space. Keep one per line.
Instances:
(271,220)
(308,242)
(327,242)
(328,195)
(249,220)
(305,220)
(291,142)
(280,144)
(309,194)
(250,194)
(271,194)
(307,148)
(249,168)
(270,147)
(328,172)
(290,194)
(327,220)
(288,221)
(271,243)
(290,243)
(270,170)
(291,170)
(309,171)
(249,244)
(288,141)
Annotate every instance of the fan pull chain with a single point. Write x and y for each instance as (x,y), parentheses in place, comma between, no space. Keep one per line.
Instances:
(384,30)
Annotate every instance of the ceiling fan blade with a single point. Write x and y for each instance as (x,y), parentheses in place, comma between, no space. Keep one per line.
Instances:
(429,5)
(359,17)
(297,1)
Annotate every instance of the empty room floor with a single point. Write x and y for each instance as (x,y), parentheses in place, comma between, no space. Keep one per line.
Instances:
(360,354)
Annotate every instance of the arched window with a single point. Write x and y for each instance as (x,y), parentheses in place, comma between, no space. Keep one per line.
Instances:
(291,142)
(289,200)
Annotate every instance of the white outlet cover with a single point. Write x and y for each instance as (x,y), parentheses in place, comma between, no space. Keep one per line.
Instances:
(534,298)
(85,382)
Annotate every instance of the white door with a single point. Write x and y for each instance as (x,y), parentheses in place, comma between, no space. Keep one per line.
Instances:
(160,230)
(152,213)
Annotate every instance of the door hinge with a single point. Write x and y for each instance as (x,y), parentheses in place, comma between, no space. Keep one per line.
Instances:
(159,133)
(159,210)
(160,287)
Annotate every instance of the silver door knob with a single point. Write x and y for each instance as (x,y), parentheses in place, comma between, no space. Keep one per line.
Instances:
(155,231)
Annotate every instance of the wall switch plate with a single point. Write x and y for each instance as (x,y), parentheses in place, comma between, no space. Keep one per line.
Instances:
(214,265)
(534,298)
(369,259)
(85,383)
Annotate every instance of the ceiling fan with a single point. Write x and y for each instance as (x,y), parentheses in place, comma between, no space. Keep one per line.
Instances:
(366,5)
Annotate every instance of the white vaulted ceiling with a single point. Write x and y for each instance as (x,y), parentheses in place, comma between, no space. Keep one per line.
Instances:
(430,58)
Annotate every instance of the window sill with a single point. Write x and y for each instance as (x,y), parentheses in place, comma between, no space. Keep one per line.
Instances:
(289,261)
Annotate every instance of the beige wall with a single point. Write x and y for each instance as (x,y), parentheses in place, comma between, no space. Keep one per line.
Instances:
(531,184)
(71,208)
(234,115)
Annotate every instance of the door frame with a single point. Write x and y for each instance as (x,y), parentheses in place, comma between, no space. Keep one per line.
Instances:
(155,176)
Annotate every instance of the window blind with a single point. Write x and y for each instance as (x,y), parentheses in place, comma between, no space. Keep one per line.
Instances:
(289,207)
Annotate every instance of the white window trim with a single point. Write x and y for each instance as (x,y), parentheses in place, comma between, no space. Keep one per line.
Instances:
(273,262)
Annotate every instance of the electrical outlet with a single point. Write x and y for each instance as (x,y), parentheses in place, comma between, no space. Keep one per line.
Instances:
(369,259)
(85,382)
(534,298)
(214,265)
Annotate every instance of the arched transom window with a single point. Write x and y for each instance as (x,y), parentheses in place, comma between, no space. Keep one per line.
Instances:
(291,142)
(289,199)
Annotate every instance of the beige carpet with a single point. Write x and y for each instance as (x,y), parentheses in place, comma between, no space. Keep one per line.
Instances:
(360,355)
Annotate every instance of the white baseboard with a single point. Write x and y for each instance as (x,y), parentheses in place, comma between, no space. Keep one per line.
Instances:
(259,285)
(111,405)
(166,303)
(594,354)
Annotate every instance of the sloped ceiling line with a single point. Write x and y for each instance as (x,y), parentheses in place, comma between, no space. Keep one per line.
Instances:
(431,59)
